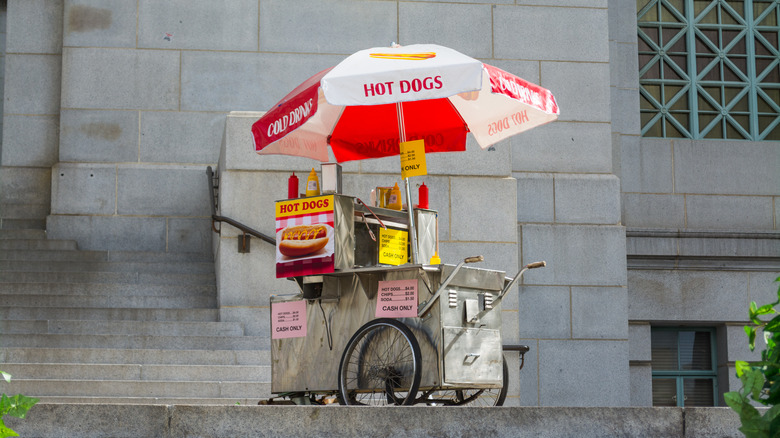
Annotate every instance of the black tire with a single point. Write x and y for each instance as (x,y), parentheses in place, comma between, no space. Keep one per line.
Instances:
(381,365)
(473,397)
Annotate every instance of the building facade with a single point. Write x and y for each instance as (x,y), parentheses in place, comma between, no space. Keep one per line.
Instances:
(654,198)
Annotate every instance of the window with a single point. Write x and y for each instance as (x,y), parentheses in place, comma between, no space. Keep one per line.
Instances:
(684,367)
(709,68)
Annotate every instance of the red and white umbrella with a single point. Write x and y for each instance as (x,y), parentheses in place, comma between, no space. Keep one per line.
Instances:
(377,99)
(374,99)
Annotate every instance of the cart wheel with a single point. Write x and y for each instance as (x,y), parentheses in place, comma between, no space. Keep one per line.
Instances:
(472,397)
(381,365)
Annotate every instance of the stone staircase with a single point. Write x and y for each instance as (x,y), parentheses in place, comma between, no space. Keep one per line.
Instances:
(120,327)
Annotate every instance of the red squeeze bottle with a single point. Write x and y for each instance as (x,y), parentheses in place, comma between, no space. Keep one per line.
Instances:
(422,196)
(292,187)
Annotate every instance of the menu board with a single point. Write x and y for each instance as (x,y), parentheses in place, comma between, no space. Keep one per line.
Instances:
(393,246)
(397,299)
(304,236)
(288,319)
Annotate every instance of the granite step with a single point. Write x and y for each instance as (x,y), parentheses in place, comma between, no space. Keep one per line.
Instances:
(128,388)
(108,289)
(107,301)
(135,341)
(108,277)
(139,372)
(148,356)
(33,243)
(125,328)
(108,314)
(67,266)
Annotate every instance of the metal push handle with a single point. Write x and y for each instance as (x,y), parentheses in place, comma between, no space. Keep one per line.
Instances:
(533,265)
(446,283)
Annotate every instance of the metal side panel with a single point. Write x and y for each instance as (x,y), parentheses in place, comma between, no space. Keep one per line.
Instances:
(472,356)
(344,231)
(311,363)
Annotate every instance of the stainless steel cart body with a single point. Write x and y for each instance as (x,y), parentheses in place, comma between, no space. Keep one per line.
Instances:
(452,325)
(459,336)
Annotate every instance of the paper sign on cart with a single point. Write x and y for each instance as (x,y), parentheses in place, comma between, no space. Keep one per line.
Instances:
(288,319)
(393,246)
(304,236)
(413,158)
(397,299)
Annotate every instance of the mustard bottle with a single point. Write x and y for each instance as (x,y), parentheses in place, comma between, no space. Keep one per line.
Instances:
(313,184)
(394,200)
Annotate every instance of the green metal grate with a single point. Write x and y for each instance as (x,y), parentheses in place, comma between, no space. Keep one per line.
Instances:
(709,69)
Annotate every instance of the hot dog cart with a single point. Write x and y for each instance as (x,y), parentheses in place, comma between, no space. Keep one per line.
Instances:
(379,320)
(373,325)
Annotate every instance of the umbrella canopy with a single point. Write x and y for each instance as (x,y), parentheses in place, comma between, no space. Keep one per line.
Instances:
(364,106)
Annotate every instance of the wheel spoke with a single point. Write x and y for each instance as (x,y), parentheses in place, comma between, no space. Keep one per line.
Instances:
(381,365)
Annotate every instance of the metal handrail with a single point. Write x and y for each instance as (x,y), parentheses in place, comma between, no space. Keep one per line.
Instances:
(217,218)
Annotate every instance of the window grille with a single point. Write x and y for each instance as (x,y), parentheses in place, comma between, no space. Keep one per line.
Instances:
(709,68)
(684,367)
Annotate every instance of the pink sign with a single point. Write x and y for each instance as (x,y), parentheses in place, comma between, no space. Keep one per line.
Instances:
(288,320)
(397,299)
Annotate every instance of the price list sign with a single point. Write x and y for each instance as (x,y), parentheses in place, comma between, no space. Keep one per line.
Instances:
(393,246)
(288,319)
(397,299)
(412,155)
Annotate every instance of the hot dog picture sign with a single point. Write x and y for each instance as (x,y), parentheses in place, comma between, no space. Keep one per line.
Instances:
(304,236)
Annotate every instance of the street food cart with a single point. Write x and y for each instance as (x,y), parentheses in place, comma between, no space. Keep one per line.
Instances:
(369,326)
(378,318)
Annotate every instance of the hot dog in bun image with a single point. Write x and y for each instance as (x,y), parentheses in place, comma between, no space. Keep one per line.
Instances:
(302,240)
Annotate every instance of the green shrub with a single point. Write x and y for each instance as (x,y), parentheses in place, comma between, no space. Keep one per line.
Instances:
(16,406)
(761,379)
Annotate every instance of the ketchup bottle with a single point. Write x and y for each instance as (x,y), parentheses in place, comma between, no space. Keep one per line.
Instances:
(292,187)
(422,196)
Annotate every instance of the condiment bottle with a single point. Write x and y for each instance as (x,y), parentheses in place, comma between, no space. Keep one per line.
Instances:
(292,187)
(422,196)
(394,200)
(313,184)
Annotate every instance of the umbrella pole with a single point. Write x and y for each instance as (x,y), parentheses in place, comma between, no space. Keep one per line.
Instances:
(409,206)
(412,228)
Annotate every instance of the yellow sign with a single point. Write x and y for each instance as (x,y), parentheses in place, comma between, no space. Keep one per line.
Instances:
(393,246)
(413,158)
(304,206)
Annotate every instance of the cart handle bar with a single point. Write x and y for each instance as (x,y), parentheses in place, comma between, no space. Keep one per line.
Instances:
(446,283)
(533,265)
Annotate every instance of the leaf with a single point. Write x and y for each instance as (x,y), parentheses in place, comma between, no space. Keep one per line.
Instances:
(741,405)
(751,332)
(754,429)
(6,432)
(18,405)
(742,367)
(753,382)
(773,326)
(6,376)
(753,313)
(772,414)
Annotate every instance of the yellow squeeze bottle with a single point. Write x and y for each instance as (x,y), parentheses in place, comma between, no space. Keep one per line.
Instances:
(394,200)
(313,184)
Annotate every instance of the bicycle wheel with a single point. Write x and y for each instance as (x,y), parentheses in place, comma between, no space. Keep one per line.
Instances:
(472,397)
(381,365)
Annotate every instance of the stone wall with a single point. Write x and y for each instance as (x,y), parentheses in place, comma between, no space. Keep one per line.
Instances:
(117,108)
(702,224)
(81,421)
